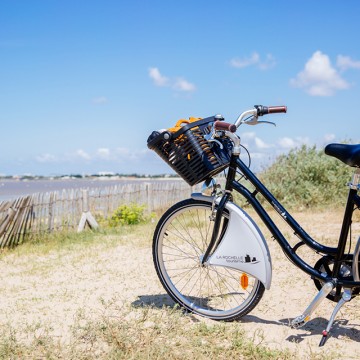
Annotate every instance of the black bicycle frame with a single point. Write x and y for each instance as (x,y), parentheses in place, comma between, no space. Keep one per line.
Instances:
(337,253)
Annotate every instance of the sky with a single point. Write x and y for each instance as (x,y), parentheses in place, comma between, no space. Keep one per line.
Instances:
(84,83)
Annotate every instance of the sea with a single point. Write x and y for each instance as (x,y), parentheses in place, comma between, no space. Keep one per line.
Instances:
(13,188)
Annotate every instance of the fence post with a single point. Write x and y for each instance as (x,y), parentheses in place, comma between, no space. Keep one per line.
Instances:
(86,217)
(4,226)
(149,195)
(51,211)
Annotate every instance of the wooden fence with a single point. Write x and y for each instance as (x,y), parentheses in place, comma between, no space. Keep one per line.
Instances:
(50,211)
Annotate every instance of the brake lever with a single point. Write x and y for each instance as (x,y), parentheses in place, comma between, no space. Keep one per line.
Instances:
(266,122)
(254,121)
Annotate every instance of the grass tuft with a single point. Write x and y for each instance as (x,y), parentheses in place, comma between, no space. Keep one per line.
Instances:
(307,177)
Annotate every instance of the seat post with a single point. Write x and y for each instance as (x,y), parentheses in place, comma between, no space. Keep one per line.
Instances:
(355,183)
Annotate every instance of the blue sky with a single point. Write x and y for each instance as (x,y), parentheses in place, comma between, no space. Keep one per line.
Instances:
(83,83)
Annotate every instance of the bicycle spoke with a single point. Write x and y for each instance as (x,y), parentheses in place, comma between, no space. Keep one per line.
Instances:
(203,238)
(187,270)
(184,240)
(187,283)
(175,247)
(231,290)
(180,236)
(180,257)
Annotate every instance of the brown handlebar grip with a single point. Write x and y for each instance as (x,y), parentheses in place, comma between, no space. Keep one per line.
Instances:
(277,109)
(221,125)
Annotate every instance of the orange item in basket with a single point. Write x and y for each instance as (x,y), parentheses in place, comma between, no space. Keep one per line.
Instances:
(180,123)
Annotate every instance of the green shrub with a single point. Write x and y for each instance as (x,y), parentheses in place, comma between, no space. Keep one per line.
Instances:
(307,177)
(128,215)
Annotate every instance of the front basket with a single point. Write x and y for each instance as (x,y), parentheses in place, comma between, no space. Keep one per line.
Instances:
(189,153)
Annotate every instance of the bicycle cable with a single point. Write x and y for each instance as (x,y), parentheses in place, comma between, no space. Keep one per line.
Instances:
(249,163)
(350,239)
(248,154)
(350,234)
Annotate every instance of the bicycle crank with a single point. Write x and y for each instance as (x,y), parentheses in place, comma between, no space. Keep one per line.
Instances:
(325,266)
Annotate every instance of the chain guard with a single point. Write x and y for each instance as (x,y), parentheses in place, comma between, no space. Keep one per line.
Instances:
(325,265)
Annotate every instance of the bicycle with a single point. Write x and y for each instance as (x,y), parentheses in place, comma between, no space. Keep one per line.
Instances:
(209,254)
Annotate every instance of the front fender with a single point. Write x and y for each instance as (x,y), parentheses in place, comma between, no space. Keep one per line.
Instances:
(243,246)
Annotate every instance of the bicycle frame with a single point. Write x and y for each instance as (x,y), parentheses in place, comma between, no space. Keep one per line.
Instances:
(337,252)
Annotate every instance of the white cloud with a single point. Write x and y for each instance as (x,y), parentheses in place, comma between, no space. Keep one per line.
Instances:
(345,62)
(289,143)
(268,63)
(82,154)
(123,160)
(251,141)
(245,62)
(123,152)
(100,100)
(159,80)
(45,158)
(260,144)
(258,155)
(178,84)
(255,60)
(248,135)
(319,78)
(183,85)
(127,155)
(329,137)
(103,153)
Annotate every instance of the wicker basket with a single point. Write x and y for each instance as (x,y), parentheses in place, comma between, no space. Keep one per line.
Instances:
(189,153)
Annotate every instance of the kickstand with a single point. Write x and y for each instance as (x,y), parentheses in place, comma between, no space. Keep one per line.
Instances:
(345,298)
(306,315)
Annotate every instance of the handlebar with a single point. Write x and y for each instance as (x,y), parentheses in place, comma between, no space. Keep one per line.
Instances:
(259,110)
(264,110)
(249,117)
(221,125)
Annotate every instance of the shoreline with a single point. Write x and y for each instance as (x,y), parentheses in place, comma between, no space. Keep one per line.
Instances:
(11,189)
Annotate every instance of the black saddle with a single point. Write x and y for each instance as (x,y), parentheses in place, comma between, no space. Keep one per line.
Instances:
(348,154)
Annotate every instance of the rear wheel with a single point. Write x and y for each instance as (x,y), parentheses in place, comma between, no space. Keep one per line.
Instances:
(180,241)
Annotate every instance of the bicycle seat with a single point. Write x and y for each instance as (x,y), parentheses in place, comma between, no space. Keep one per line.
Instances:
(348,154)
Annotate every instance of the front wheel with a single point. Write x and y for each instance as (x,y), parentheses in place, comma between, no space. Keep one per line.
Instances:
(180,241)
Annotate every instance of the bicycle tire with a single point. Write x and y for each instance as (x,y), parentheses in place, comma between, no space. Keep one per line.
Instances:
(179,242)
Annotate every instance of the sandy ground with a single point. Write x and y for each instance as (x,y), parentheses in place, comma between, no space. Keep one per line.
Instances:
(54,289)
